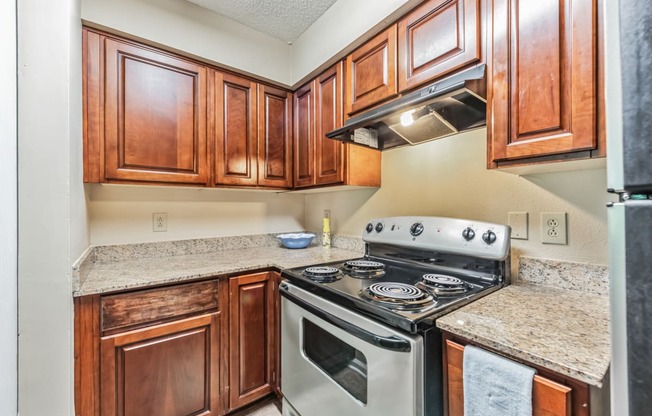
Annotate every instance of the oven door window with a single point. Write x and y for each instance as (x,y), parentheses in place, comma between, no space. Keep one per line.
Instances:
(344,364)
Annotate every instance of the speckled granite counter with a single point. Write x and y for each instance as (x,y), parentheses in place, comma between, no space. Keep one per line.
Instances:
(117,275)
(561,330)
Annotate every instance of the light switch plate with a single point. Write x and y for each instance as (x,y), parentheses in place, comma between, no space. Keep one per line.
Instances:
(518,222)
(553,228)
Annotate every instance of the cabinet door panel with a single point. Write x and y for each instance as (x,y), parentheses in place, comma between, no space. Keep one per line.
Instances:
(274,137)
(542,95)
(329,154)
(167,370)
(251,338)
(437,38)
(155,116)
(304,136)
(236,140)
(371,72)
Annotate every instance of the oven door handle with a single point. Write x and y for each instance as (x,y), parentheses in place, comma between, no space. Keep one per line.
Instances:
(391,343)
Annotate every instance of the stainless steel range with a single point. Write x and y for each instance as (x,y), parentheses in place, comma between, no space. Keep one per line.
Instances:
(358,337)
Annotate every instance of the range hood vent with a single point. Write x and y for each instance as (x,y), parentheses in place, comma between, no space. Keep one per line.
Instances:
(441,109)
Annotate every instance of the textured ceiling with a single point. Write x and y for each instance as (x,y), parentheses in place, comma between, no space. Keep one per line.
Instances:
(282,19)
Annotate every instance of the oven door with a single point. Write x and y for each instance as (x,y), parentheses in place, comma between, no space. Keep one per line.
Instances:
(337,362)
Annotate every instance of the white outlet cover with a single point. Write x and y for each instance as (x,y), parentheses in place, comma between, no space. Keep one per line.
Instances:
(159,222)
(554,228)
(518,222)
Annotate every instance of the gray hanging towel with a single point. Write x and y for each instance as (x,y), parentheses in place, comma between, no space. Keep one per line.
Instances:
(495,386)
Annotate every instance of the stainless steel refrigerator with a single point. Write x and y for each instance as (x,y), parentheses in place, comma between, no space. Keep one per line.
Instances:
(629,169)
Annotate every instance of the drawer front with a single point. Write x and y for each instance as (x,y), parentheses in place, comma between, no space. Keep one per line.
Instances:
(129,310)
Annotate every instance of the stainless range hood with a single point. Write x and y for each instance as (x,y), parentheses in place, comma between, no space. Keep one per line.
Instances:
(441,109)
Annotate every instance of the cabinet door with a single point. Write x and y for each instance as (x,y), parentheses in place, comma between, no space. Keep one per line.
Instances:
(329,154)
(236,133)
(548,397)
(437,38)
(155,116)
(166,370)
(371,72)
(252,338)
(274,137)
(304,136)
(543,79)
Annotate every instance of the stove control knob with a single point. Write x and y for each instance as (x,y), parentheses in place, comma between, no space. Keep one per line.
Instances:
(416,229)
(370,227)
(489,237)
(468,234)
(379,227)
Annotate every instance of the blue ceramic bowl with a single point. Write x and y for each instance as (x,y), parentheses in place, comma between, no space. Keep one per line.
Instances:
(296,240)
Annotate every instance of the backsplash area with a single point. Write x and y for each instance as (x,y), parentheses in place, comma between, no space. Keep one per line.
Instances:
(585,277)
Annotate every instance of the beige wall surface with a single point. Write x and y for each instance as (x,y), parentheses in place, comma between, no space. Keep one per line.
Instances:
(448,178)
(195,30)
(123,214)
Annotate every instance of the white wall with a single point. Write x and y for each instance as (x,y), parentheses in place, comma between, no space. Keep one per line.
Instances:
(8,205)
(123,214)
(49,137)
(448,177)
(195,30)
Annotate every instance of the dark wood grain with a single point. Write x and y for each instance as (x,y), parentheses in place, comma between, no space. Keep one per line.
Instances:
(304,135)
(167,370)
(371,72)
(552,395)
(274,137)
(363,166)
(252,338)
(92,62)
(542,92)
(437,38)
(329,154)
(87,355)
(236,130)
(155,115)
(129,310)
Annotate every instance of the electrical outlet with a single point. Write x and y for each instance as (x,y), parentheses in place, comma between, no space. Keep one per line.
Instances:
(159,222)
(327,213)
(518,222)
(553,228)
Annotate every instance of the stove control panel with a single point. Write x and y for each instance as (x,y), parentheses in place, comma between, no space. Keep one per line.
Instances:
(446,235)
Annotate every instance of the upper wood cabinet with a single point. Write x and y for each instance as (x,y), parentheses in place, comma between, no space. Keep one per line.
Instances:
(252,133)
(543,79)
(252,338)
(437,38)
(549,397)
(154,114)
(371,72)
(319,160)
(274,137)
(236,130)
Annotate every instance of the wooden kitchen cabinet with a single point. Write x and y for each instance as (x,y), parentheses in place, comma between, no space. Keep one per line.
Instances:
(437,38)
(543,82)
(319,160)
(371,72)
(158,351)
(145,114)
(252,338)
(252,145)
(551,395)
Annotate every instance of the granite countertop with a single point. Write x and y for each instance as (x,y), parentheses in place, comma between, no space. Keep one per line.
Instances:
(561,330)
(113,276)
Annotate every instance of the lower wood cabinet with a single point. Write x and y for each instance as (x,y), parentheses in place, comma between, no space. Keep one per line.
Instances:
(252,338)
(201,348)
(170,369)
(552,395)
